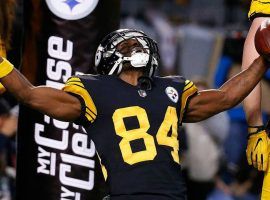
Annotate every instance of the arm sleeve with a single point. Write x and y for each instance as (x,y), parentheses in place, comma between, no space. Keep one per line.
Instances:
(259,8)
(75,87)
(189,90)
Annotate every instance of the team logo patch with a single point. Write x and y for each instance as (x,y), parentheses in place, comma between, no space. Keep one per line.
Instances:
(172,94)
(72,9)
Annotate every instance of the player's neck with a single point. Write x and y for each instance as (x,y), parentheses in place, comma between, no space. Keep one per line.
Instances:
(131,76)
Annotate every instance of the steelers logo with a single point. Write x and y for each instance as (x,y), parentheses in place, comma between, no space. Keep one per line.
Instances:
(172,94)
(72,9)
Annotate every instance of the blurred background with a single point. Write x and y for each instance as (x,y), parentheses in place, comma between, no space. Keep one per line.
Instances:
(201,40)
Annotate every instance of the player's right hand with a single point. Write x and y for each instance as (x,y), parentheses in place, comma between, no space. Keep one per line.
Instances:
(258,148)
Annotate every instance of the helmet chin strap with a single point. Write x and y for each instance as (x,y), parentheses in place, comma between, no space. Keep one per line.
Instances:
(137,60)
(145,83)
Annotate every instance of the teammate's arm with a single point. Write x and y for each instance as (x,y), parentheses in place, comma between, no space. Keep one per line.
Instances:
(53,102)
(210,102)
(258,142)
(258,148)
(252,104)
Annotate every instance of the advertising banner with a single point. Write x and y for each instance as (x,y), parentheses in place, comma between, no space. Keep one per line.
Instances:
(56,159)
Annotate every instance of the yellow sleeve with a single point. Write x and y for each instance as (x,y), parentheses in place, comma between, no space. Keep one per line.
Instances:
(259,8)
(3,53)
(75,86)
(189,90)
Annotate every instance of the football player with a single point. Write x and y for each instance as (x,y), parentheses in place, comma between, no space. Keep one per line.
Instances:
(131,115)
(258,147)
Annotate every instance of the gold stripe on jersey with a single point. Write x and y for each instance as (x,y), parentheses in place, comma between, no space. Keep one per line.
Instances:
(3,53)
(5,68)
(103,168)
(74,80)
(259,7)
(75,86)
(189,90)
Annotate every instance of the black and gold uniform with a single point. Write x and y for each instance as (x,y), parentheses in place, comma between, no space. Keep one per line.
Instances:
(259,8)
(135,133)
(3,53)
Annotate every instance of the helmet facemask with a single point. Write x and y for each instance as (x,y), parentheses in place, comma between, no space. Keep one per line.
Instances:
(109,60)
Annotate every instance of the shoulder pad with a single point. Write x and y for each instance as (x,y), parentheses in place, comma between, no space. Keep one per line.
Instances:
(76,87)
(88,76)
(178,79)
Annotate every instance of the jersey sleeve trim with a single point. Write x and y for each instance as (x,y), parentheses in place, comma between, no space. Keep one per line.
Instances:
(76,87)
(259,8)
(189,90)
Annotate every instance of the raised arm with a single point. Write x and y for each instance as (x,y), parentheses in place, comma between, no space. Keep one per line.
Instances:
(252,104)
(210,102)
(53,102)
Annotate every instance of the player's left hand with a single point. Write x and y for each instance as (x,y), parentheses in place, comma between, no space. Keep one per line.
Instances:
(258,148)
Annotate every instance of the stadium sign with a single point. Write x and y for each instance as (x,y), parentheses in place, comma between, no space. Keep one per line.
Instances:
(72,9)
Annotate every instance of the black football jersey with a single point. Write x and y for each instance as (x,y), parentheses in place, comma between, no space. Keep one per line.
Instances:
(135,133)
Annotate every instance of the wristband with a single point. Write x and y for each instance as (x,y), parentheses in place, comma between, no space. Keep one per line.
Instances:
(255,129)
(5,68)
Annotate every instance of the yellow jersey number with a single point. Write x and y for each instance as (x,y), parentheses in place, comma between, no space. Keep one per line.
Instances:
(169,123)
